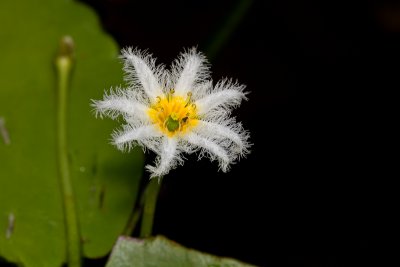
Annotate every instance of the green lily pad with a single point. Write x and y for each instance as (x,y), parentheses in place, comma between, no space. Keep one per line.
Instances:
(161,252)
(105,181)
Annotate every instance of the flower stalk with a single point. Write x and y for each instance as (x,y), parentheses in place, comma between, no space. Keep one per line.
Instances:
(64,65)
(150,202)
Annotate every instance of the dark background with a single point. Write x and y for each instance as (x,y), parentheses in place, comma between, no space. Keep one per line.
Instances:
(305,195)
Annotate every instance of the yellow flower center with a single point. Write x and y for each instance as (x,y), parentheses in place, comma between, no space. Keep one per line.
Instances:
(173,114)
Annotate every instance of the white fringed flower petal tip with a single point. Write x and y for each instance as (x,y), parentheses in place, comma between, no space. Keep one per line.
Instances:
(176,111)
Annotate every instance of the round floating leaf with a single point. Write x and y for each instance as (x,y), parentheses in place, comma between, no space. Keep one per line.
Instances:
(161,252)
(105,181)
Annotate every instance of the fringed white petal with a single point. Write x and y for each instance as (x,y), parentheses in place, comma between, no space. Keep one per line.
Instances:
(201,90)
(113,106)
(141,70)
(210,148)
(226,94)
(168,158)
(126,138)
(231,131)
(189,70)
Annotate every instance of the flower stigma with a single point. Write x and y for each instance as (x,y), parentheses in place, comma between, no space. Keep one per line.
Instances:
(173,114)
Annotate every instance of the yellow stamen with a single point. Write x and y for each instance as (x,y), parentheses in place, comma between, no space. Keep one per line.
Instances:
(170,94)
(188,99)
(173,114)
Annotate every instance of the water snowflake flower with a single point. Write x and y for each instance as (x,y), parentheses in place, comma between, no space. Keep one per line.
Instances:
(176,111)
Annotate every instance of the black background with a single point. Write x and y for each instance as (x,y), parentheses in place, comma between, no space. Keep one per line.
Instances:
(304,196)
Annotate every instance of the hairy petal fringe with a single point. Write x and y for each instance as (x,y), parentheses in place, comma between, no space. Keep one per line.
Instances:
(208,148)
(225,94)
(168,158)
(142,72)
(114,106)
(227,132)
(188,71)
(128,137)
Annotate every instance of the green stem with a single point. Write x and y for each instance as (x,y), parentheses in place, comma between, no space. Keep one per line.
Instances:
(64,65)
(150,201)
(226,30)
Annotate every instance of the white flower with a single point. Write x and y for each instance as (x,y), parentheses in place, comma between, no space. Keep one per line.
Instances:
(175,111)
